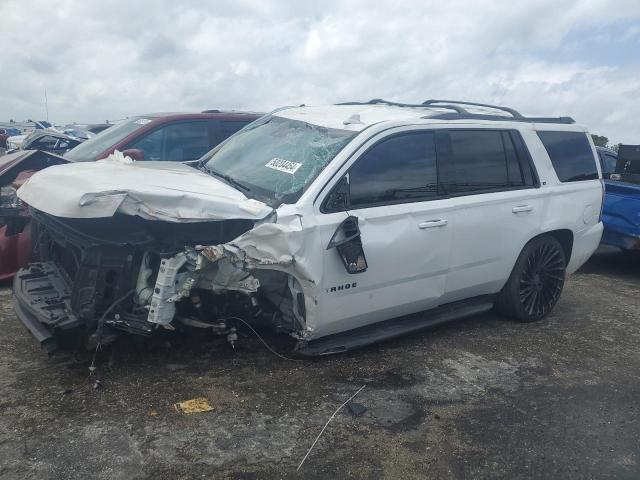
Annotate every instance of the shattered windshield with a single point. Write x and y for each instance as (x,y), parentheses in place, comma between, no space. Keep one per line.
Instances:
(277,156)
(89,150)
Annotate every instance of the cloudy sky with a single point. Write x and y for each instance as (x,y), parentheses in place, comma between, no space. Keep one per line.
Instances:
(107,59)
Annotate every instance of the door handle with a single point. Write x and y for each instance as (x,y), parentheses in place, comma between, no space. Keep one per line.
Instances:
(432,224)
(522,209)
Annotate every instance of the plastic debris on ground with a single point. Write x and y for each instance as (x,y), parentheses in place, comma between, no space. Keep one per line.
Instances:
(195,405)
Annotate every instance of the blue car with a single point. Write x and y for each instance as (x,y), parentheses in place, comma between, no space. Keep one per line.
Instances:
(621,211)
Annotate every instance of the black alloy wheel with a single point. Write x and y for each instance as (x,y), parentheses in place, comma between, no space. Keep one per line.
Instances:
(542,279)
(536,282)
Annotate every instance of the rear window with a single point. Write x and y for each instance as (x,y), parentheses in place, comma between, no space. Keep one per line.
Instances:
(608,162)
(571,155)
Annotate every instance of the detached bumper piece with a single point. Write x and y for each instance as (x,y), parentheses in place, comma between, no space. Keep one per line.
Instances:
(41,301)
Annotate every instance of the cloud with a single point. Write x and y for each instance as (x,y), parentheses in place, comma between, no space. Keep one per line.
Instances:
(111,59)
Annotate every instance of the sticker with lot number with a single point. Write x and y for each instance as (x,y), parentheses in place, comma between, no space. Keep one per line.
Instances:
(283,165)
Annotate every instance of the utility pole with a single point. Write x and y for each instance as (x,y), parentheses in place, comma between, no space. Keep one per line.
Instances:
(46,104)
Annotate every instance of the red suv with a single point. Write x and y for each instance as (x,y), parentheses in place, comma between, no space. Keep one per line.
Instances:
(178,137)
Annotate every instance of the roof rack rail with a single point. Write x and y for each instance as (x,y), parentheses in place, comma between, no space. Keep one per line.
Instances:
(515,115)
(460,113)
(500,118)
(513,112)
(380,101)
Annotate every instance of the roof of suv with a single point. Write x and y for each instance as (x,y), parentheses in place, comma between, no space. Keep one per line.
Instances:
(357,116)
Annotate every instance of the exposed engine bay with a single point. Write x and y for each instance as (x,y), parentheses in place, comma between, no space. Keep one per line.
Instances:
(103,276)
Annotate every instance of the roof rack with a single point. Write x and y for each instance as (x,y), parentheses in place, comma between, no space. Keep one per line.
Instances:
(460,113)
(379,101)
(513,112)
(515,115)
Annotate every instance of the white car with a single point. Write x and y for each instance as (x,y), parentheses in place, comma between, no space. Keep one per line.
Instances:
(333,224)
(15,142)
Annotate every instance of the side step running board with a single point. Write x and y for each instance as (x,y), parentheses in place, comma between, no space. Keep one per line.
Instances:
(388,329)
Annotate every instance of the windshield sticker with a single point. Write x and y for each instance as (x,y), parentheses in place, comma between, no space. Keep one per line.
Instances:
(142,121)
(283,165)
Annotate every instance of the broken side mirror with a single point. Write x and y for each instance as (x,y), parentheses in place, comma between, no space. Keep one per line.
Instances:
(346,240)
(134,153)
(337,200)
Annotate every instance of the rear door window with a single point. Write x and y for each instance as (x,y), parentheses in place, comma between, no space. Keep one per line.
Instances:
(399,169)
(484,160)
(479,161)
(571,155)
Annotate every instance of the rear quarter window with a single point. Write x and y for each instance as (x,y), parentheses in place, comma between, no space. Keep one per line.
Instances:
(571,155)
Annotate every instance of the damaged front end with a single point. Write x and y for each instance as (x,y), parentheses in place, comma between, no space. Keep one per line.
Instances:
(101,277)
(142,247)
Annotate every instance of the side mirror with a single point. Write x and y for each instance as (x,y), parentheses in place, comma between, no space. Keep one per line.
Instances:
(338,199)
(134,153)
(346,240)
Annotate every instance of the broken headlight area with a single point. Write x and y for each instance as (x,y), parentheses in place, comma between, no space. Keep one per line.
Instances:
(125,274)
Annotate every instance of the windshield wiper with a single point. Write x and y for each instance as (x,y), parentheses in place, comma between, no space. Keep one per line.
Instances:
(227,178)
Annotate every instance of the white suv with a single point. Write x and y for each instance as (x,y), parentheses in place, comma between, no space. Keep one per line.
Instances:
(333,224)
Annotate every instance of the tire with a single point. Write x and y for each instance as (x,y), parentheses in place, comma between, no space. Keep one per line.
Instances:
(536,282)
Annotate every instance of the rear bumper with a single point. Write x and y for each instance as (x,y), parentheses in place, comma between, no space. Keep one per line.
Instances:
(41,303)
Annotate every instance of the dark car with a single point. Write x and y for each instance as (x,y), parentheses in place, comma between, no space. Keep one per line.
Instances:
(177,137)
(174,137)
(98,127)
(52,141)
(15,228)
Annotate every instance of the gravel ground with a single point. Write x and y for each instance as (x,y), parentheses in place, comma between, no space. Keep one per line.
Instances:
(479,398)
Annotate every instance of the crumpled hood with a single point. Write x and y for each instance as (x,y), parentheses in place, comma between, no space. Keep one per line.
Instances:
(166,191)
